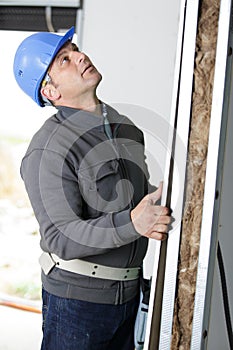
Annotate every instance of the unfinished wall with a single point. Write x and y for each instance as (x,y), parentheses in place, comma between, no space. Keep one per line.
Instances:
(197,154)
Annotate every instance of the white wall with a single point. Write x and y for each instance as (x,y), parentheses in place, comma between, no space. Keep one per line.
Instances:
(133,43)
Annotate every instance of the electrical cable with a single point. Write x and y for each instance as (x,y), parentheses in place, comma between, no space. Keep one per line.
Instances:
(20,303)
(48,18)
(23,307)
(225,296)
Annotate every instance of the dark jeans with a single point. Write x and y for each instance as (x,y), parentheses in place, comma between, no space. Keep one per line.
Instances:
(70,324)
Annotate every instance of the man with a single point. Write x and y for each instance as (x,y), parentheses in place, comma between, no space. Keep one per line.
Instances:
(87,181)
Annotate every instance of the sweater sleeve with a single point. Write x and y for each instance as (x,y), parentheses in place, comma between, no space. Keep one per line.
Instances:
(54,193)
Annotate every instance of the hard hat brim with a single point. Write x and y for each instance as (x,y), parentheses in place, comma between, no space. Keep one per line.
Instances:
(68,36)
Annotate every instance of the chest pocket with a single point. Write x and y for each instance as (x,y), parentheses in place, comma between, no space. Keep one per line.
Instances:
(102,188)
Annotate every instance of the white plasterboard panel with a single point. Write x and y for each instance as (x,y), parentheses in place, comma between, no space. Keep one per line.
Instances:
(215,313)
(188,13)
(178,181)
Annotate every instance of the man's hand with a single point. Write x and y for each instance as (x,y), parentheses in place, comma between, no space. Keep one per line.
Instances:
(151,220)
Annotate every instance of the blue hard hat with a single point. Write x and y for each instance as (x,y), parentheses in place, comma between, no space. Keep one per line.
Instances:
(32,60)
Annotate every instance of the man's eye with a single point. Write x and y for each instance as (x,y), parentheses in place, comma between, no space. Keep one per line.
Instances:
(65,59)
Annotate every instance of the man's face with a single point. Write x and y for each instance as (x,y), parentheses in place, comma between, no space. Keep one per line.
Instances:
(73,73)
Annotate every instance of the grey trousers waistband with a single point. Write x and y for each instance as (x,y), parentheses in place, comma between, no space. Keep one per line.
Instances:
(48,261)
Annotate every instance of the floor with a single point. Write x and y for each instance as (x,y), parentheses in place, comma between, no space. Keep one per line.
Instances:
(19,330)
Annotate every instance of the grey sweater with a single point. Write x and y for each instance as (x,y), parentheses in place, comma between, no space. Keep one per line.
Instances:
(82,187)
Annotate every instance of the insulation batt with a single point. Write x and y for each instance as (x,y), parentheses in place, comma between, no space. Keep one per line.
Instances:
(196,168)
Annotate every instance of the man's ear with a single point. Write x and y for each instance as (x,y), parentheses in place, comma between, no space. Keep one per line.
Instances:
(50,92)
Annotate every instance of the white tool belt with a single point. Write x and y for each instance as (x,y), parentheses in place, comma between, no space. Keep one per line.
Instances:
(49,261)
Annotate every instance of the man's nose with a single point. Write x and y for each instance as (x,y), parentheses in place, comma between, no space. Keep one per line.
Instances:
(79,56)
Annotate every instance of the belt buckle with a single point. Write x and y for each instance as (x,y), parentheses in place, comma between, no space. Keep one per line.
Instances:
(46,262)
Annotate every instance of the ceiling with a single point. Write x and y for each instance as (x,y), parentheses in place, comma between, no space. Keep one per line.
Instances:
(53,15)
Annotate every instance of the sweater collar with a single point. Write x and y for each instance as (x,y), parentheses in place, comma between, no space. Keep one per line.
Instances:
(84,119)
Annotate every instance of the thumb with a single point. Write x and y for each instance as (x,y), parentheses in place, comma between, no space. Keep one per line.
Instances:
(156,195)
